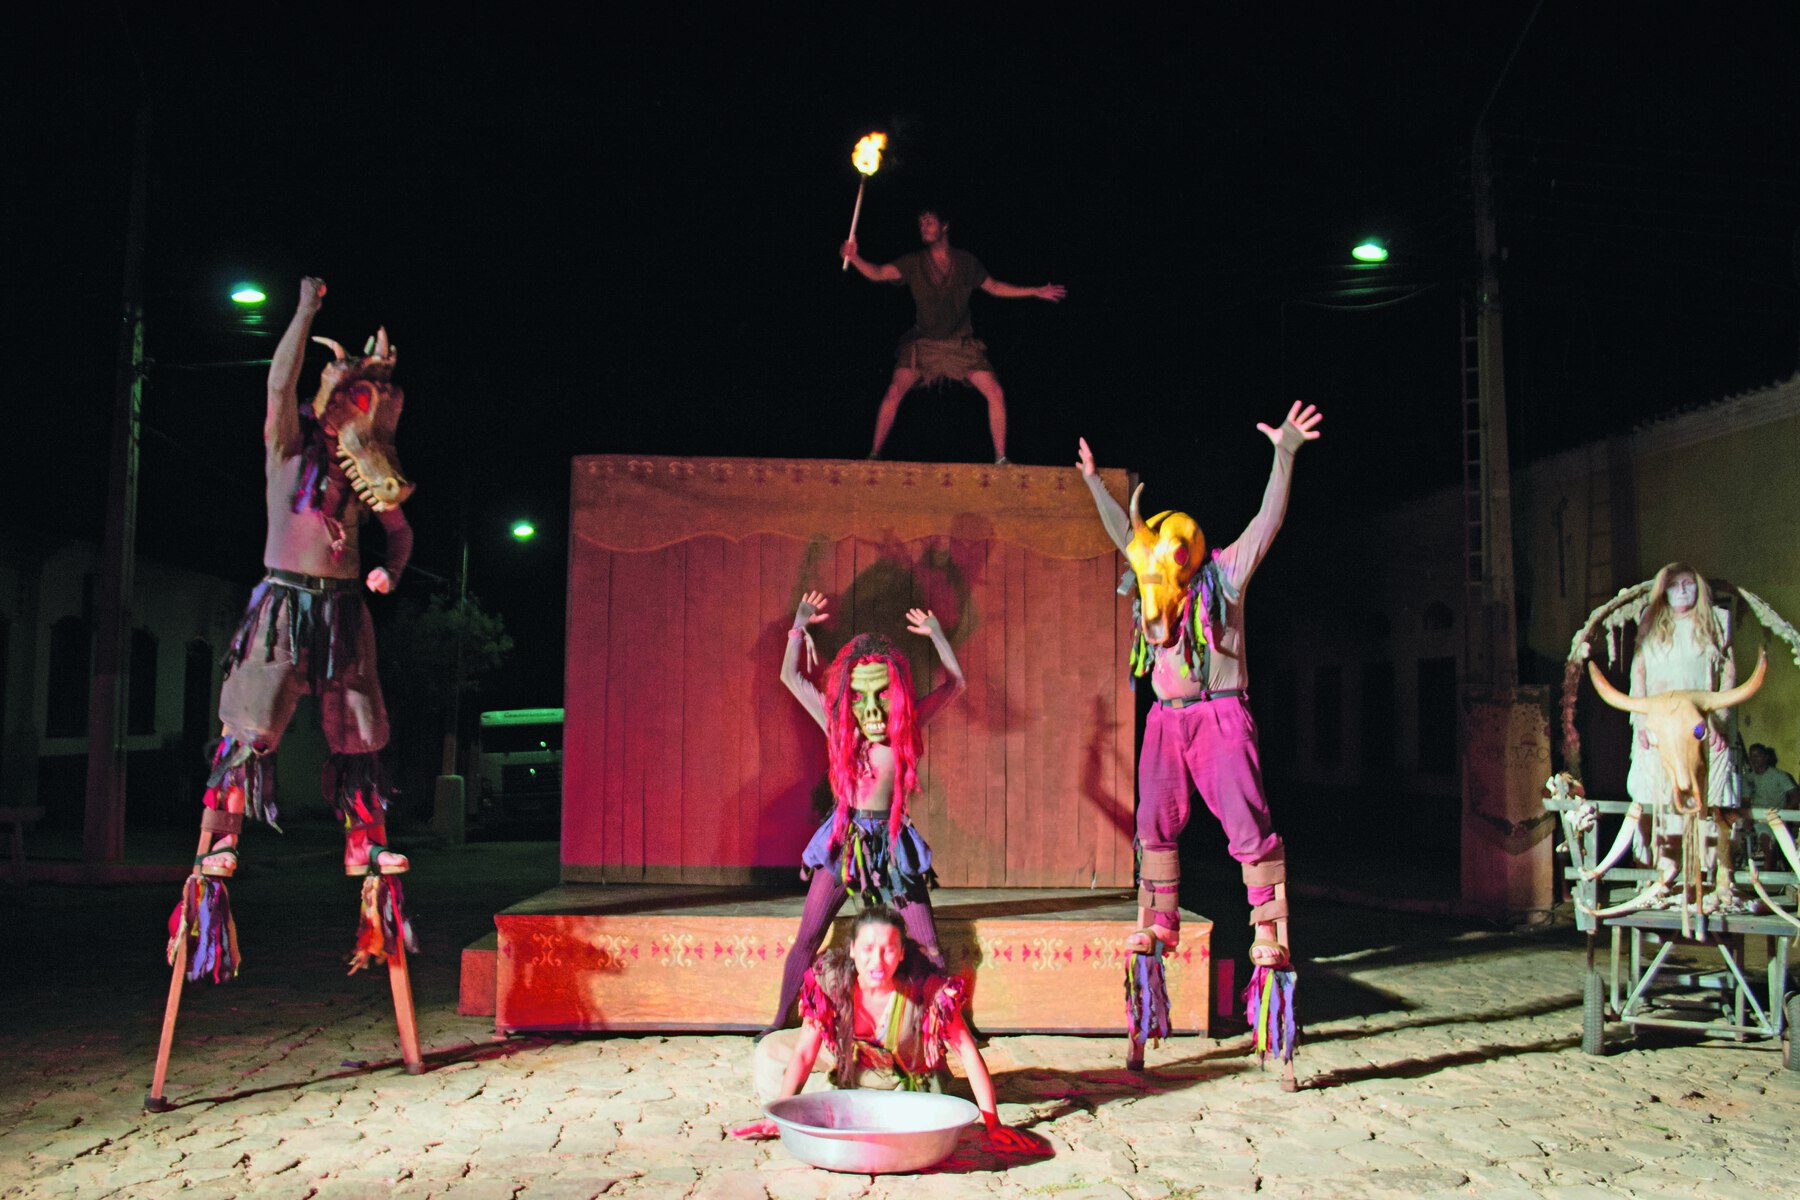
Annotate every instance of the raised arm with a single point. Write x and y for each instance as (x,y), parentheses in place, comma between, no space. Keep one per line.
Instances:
(1012,291)
(1240,559)
(885,273)
(921,621)
(810,612)
(281,426)
(1118,524)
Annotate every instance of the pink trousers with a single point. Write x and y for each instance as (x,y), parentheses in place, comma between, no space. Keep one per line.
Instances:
(1213,744)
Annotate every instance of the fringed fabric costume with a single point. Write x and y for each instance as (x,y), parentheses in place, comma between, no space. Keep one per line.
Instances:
(907,1052)
(875,865)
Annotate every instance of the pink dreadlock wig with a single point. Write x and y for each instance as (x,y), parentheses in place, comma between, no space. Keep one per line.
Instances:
(848,749)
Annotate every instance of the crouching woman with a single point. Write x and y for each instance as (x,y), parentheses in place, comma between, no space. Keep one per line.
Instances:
(878,1015)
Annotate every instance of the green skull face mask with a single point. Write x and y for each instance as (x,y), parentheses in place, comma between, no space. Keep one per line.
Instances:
(869,680)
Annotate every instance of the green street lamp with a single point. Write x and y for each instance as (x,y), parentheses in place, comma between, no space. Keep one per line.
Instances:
(248,293)
(1369,250)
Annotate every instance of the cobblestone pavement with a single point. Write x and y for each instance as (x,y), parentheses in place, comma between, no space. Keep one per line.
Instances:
(1441,1059)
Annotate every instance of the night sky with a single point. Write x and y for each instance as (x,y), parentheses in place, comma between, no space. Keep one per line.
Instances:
(620,237)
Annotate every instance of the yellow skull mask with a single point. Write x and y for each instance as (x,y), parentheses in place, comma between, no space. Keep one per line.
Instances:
(1165,551)
(869,680)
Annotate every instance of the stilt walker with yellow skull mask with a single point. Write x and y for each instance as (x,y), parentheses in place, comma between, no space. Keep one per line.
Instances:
(328,464)
(1200,735)
(867,847)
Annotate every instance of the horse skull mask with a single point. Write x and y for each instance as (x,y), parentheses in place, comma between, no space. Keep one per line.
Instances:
(358,407)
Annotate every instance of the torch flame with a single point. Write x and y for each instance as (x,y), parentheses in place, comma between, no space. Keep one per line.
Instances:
(867,155)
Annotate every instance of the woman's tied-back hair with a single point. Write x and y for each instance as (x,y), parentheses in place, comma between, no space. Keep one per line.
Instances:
(836,975)
(848,750)
(1657,625)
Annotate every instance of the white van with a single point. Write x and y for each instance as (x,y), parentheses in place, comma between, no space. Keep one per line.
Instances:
(519,762)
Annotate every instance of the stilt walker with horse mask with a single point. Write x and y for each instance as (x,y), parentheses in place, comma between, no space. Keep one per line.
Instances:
(328,464)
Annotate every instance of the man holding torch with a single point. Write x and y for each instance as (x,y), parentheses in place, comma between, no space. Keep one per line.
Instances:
(942,345)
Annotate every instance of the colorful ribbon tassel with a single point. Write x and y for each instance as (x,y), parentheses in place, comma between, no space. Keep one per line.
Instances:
(203,917)
(1146,998)
(1269,1009)
(382,928)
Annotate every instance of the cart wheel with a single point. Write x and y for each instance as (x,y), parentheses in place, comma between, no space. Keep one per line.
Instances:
(1593,1014)
(1790,1056)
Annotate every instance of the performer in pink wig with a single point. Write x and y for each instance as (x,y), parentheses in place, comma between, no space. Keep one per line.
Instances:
(867,847)
(1200,734)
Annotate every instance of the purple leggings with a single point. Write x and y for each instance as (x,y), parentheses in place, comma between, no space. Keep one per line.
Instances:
(823,899)
(1213,742)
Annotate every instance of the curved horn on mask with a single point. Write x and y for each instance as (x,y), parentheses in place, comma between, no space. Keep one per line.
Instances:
(336,348)
(1138,528)
(1612,695)
(1711,701)
(377,347)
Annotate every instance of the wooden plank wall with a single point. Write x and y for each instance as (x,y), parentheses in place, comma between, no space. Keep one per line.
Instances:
(687,760)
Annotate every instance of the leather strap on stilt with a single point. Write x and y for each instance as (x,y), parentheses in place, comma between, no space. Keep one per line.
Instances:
(220,822)
(1268,872)
(1162,902)
(1273,910)
(1159,866)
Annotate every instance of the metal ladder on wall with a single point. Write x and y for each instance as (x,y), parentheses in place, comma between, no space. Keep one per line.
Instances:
(1474,544)
(1600,580)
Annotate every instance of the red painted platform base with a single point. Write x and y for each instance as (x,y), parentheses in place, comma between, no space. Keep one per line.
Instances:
(667,957)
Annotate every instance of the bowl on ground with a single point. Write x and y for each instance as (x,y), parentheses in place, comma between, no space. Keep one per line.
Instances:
(866,1132)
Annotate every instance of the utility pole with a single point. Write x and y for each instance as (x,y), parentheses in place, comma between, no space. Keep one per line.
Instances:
(1493,633)
(103,828)
(1506,861)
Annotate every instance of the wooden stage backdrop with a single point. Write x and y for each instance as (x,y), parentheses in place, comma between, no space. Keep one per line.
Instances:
(686,761)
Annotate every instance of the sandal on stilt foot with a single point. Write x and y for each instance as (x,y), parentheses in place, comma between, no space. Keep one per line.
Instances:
(376,851)
(1141,941)
(1267,952)
(204,864)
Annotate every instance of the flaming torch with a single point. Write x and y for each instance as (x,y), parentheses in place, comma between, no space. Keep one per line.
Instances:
(867,157)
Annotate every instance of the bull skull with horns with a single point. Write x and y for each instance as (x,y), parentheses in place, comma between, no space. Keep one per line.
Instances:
(1164,552)
(1676,722)
(358,406)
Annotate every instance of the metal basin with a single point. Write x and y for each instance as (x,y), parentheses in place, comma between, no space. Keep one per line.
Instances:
(871,1132)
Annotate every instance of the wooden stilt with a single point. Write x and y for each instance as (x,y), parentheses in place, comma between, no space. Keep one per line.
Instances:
(401,983)
(1134,1047)
(154,1101)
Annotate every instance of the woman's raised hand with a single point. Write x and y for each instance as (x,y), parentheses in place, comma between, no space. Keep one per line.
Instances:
(920,621)
(811,610)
